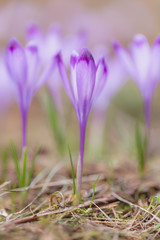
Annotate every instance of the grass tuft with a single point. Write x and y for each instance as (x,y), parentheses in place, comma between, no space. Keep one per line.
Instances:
(72,169)
(141,146)
(94,187)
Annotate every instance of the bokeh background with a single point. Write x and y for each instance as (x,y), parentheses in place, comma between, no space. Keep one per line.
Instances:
(104,21)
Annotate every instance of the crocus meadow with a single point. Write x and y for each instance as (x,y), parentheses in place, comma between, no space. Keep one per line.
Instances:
(47,57)
(87,82)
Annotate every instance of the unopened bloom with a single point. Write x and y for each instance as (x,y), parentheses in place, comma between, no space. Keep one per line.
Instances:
(87,82)
(143,65)
(26,73)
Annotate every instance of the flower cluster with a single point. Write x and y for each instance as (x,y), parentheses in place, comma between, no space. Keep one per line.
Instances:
(48,57)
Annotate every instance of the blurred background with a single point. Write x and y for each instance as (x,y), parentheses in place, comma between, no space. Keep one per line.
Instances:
(104,21)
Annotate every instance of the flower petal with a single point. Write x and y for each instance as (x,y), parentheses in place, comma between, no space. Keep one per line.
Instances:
(101,77)
(85,76)
(75,42)
(155,60)
(16,62)
(53,43)
(64,76)
(34,33)
(45,75)
(125,58)
(73,62)
(140,53)
(33,63)
(116,78)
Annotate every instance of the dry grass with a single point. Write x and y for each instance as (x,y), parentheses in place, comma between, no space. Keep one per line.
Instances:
(120,210)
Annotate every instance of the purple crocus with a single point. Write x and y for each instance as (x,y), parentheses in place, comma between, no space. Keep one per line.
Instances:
(116,79)
(26,73)
(143,65)
(87,82)
(49,45)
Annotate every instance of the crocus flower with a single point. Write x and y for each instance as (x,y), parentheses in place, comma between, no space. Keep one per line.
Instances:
(143,65)
(49,44)
(87,82)
(26,73)
(117,78)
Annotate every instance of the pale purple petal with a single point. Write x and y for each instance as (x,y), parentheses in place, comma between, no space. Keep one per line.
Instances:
(85,76)
(73,62)
(125,58)
(154,71)
(16,62)
(52,44)
(75,42)
(7,88)
(45,75)
(64,76)
(34,33)
(49,44)
(33,64)
(116,78)
(101,77)
(140,54)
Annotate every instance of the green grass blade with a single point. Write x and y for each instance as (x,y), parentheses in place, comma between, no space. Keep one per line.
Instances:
(55,124)
(24,170)
(30,173)
(73,177)
(94,187)
(16,163)
(151,205)
(4,163)
(141,145)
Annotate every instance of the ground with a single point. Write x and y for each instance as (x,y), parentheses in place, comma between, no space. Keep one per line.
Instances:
(125,205)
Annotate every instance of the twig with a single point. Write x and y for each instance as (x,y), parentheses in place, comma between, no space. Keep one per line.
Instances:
(51,174)
(135,205)
(4,184)
(133,220)
(59,183)
(47,213)
(39,177)
(109,219)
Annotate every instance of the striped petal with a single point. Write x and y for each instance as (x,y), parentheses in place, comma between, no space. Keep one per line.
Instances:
(85,76)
